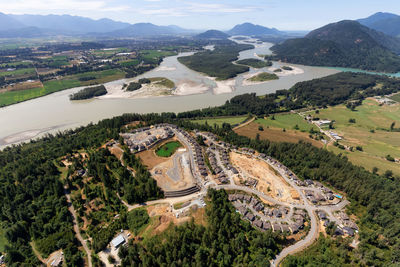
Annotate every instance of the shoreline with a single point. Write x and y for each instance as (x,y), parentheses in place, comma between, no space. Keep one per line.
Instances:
(283,73)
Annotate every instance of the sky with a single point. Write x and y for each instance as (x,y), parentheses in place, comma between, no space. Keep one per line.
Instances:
(207,14)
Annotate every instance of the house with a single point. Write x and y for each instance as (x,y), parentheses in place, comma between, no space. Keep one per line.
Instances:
(250,216)
(322,215)
(258,223)
(295,227)
(118,241)
(349,231)
(285,228)
(266,225)
(276,227)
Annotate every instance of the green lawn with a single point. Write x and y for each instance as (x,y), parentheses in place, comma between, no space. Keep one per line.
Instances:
(376,144)
(168,149)
(221,120)
(52,86)
(286,121)
(155,55)
(13,64)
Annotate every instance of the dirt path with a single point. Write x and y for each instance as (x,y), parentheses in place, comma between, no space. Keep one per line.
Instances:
(244,124)
(37,254)
(76,227)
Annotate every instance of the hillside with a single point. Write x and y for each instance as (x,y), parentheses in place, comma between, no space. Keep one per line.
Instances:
(252,29)
(212,34)
(342,44)
(387,23)
(8,23)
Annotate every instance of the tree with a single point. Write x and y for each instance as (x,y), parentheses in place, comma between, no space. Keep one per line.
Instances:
(392,126)
(388,174)
(260,128)
(375,170)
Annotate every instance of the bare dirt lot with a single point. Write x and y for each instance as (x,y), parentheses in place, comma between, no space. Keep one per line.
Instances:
(276,134)
(173,174)
(269,182)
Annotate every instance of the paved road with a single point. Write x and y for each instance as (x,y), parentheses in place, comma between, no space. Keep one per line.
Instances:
(76,227)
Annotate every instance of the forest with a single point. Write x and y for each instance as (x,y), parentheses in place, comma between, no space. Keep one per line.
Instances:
(218,62)
(343,87)
(255,63)
(89,92)
(226,240)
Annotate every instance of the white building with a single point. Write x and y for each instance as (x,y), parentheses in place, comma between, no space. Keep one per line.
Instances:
(118,241)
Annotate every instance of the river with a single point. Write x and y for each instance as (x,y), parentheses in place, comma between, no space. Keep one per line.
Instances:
(55,112)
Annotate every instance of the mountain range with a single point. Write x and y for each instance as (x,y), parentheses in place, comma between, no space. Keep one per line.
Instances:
(250,29)
(384,22)
(343,44)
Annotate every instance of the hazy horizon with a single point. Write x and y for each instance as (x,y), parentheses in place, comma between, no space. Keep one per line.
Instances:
(221,15)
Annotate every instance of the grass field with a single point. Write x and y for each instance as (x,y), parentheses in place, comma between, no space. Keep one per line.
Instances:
(155,55)
(276,134)
(13,64)
(168,149)
(130,63)
(220,121)
(396,97)
(286,121)
(370,130)
(9,98)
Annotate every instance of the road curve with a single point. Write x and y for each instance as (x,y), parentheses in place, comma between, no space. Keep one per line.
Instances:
(76,227)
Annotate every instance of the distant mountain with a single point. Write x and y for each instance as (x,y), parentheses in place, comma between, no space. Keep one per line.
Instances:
(147,29)
(385,22)
(69,24)
(250,29)
(9,23)
(343,44)
(212,34)
(26,32)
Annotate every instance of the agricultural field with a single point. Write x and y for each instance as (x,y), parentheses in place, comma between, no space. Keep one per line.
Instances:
(221,120)
(108,52)
(371,131)
(286,121)
(12,97)
(276,134)
(17,73)
(168,149)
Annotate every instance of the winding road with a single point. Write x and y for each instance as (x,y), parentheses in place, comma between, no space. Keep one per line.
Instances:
(76,227)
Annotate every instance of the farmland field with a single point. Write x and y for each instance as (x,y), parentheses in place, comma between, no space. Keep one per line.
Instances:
(19,72)
(286,121)
(52,86)
(168,149)
(276,134)
(221,120)
(371,131)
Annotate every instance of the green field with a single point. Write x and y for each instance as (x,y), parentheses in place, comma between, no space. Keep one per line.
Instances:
(396,97)
(370,131)
(286,121)
(168,149)
(12,97)
(221,120)
(19,72)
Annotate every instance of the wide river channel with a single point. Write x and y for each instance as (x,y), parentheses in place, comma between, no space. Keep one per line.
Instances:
(55,112)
